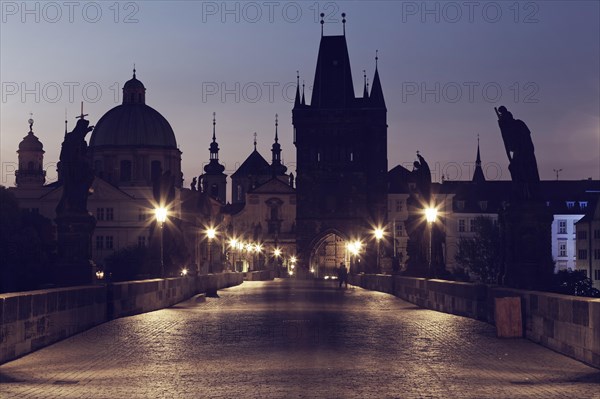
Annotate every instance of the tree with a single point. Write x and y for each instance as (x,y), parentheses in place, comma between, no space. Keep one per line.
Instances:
(130,263)
(481,254)
(574,282)
(27,246)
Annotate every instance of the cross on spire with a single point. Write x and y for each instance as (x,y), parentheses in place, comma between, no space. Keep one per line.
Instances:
(276,124)
(255,135)
(82,115)
(214,123)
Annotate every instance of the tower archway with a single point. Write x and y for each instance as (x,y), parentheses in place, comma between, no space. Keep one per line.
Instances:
(328,249)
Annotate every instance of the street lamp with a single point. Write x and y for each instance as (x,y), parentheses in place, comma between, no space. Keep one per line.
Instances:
(233,247)
(431,216)
(211,233)
(161,214)
(354,248)
(378,233)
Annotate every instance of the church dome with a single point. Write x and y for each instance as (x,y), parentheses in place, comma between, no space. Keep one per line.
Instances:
(31,142)
(133,123)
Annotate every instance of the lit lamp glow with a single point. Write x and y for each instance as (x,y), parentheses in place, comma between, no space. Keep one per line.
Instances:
(211,233)
(161,214)
(431,216)
(378,233)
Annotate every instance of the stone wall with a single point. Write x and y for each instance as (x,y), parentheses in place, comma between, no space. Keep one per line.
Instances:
(262,275)
(566,324)
(32,320)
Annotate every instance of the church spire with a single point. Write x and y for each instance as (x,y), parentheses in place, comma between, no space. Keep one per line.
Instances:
(297,100)
(303,98)
(213,166)
(478,176)
(377,99)
(366,85)
(277,168)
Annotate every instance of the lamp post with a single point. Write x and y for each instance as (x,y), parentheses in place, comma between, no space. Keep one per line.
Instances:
(161,218)
(276,255)
(378,233)
(210,234)
(431,216)
(233,247)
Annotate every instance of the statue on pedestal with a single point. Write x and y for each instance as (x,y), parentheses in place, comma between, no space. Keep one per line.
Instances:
(525,222)
(74,223)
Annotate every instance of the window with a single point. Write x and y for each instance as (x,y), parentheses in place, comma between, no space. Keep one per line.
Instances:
(597,274)
(583,204)
(472,224)
(398,205)
(582,235)
(141,241)
(155,170)
(483,205)
(582,254)
(109,242)
(125,172)
(597,234)
(562,227)
(461,225)
(99,242)
(570,204)
(398,229)
(562,248)
(239,192)
(99,213)
(597,253)
(109,213)
(460,205)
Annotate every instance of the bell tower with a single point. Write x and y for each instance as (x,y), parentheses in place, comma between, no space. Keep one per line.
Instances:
(214,181)
(31,171)
(341,147)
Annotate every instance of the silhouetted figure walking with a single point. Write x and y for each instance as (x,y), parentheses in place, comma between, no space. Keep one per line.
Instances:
(343,275)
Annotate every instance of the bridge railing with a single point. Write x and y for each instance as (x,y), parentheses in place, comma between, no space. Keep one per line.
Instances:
(34,319)
(564,323)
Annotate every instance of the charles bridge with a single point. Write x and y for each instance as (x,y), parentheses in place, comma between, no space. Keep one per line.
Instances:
(294,338)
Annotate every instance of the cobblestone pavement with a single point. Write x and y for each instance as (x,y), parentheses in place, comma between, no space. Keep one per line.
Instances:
(293,339)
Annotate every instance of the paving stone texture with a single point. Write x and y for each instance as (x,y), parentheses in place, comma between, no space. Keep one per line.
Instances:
(296,339)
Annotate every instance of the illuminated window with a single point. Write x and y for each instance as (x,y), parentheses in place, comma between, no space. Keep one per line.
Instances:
(562,227)
(562,248)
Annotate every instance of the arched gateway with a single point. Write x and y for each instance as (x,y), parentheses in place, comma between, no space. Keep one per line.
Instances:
(327,250)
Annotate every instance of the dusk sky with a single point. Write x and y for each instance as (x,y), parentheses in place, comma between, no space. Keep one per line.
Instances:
(444,66)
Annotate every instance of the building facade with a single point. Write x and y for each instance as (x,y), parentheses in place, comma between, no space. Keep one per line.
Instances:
(341,155)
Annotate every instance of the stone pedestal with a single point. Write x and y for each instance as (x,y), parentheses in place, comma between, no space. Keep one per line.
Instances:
(525,230)
(75,249)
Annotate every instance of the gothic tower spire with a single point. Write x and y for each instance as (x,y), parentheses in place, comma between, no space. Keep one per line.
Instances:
(478,176)
(214,181)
